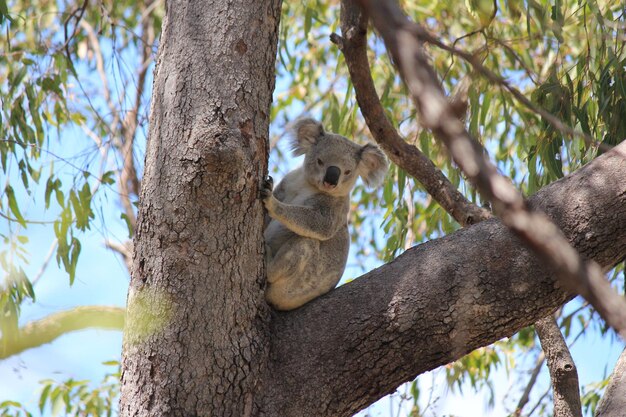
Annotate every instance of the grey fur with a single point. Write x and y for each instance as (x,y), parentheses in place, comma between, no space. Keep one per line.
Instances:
(307,238)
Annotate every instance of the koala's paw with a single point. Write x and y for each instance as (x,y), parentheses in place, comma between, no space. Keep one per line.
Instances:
(266,188)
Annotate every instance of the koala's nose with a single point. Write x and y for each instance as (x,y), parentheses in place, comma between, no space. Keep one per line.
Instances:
(332,175)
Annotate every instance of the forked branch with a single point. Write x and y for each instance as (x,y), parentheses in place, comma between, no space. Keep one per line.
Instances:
(353,43)
(533,228)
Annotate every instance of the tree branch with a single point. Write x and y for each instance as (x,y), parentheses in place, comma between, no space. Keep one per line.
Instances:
(406,156)
(613,402)
(562,368)
(439,300)
(40,332)
(533,228)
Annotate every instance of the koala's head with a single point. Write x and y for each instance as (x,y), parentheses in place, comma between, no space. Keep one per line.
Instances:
(332,163)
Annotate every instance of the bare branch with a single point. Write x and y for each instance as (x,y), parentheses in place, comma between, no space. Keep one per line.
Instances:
(406,156)
(613,402)
(436,114)
(563,372)
(40,332)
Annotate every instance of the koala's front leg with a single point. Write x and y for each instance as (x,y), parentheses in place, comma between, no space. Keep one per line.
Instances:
(315,222)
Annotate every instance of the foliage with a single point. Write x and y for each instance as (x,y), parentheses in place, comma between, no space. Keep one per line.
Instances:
(73,398)
(74,88)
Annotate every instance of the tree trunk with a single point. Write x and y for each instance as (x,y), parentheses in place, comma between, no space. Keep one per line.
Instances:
(196,340)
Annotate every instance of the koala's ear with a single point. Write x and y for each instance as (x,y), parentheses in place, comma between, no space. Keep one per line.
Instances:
(373,165)
(305,134)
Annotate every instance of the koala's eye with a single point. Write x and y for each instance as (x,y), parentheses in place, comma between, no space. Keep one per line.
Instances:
(348,172)
(319,162)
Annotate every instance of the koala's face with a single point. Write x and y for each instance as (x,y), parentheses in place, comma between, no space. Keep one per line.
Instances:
(332,163)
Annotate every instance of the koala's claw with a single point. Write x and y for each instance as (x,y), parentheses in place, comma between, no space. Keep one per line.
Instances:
(266,188)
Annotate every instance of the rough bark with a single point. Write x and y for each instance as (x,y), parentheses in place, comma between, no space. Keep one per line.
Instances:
(563,373)
(196,340)
(613,403)
(439,300)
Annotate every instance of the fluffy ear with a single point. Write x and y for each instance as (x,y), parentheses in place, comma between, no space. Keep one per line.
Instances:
(305,134)
(373,165)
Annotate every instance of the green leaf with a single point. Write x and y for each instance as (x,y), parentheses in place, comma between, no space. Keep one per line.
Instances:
(51,84)
(33,107)
(308,20)
(107,178)
(50,186)
(26,285)
(78,211)
(57,403)
(129,226)
(16,79)
(75,252)
(13,205)
(44,397)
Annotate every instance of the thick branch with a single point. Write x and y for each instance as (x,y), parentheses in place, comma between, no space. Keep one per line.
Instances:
(40,332)
(563,374)
(408,157)
(613,402)
(533,228)
(439,300)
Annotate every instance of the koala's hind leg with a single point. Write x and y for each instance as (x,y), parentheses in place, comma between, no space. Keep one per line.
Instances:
(287,294)
(291,259)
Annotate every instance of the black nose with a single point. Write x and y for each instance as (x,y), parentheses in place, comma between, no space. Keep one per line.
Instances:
(332,175)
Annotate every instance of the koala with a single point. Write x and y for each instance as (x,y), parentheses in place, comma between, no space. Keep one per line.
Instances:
(307,239)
